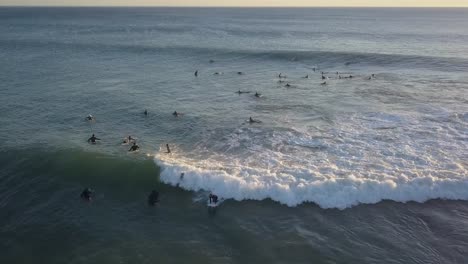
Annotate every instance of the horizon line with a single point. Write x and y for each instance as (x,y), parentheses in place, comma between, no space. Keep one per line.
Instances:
(227,6)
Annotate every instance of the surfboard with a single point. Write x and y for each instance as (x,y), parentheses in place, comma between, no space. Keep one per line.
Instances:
(220,200)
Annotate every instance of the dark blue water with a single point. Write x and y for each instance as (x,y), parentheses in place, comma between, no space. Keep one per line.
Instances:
(368,169)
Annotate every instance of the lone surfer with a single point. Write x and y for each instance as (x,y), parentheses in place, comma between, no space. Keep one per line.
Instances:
(86,194)
(93,139)
(213,199)
(90,117)
(153,198)
(251,120)
(196,73)
(168,149)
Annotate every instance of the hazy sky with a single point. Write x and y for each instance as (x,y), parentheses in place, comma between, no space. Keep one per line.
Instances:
(435,3)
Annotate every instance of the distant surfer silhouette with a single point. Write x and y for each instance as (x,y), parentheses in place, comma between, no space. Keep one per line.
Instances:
(134,147)
(93,139)
(153,198)
(168,149)
(87,194)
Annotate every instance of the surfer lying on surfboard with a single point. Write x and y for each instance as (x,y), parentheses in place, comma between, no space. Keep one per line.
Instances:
(251,120)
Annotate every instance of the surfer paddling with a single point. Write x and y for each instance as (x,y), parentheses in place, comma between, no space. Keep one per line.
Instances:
(134,147)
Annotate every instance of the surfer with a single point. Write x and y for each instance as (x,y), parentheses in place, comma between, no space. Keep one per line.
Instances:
(134,147)
(324,83)
(128,140)
(306,77)
(175,113)
(257,94)
(146,112)
(213,198)
(240,73)
(93,139)
(168,149)
(288,85)
(241,92)
(251,120)
(90,117)
(153,198)
(86,194)
(196,73)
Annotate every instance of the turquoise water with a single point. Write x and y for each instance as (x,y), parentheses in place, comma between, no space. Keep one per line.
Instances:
(355,171)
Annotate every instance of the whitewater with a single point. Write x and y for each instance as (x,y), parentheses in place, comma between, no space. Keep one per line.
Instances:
(359,159)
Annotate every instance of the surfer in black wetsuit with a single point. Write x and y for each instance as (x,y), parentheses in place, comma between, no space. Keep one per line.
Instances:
(128,140)
(146,112)
(175,113)
(90,117)
(86,194)
(213,198)
(134,147)
(288,85)
(153,198)
(196,73)
(257,94)
(241,92)
(168,149)
(93,139)
(251,120)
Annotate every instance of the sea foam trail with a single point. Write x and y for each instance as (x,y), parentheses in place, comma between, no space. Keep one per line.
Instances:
(339,168)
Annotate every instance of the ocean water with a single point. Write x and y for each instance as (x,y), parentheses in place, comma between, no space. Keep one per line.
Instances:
(358,170)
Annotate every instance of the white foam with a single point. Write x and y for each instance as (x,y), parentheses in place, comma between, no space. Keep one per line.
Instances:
(353,164)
